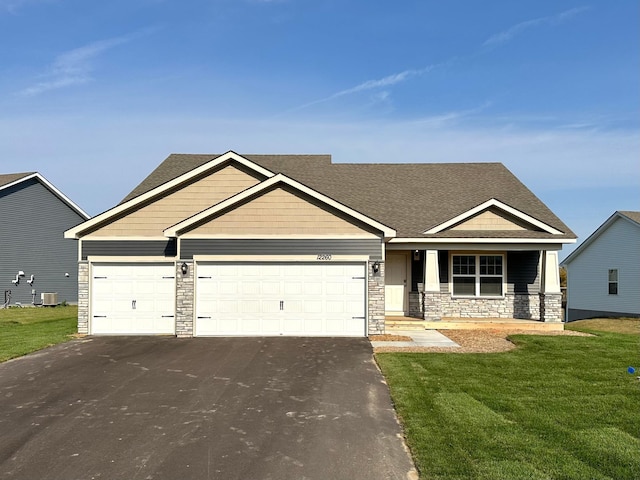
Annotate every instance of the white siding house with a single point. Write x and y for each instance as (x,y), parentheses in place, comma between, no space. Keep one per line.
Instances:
(603,273)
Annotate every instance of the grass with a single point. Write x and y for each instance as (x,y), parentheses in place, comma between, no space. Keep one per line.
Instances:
(558,407)
(25,330)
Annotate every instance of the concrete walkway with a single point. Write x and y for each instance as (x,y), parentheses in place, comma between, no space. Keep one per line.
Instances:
(420,338)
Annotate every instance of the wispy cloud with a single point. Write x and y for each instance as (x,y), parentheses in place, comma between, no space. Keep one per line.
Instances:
(383,82)
(75,66)
(449,118)
(507,35)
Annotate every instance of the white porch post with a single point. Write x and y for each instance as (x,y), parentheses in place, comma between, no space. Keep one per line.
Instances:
(431,271)
(550,272)
(550,293)
(431,298)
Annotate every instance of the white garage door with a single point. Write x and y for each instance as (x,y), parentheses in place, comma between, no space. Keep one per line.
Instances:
(136,299)
(295,299)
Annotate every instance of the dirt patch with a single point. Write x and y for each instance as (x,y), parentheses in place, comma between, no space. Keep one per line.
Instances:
(477,341)
(387,337)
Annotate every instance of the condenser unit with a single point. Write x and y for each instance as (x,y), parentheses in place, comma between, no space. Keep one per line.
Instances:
(49,299)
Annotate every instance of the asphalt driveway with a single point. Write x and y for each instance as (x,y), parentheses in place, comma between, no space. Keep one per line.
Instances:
(219,408)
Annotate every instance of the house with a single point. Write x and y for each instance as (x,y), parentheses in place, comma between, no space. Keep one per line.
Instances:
(297,245)
(34,256)
(603,272)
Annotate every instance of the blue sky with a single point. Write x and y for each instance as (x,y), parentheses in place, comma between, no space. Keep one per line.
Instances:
(94,95)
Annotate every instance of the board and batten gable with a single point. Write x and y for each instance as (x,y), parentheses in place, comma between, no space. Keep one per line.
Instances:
(616,247)
(33,223)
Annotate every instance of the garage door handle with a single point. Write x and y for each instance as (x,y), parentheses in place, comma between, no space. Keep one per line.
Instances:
(358,318)
(167,316)
(96,278)
(281,304)
(169,277)
(204,277)
(99,316)
(357,278)
(204,317)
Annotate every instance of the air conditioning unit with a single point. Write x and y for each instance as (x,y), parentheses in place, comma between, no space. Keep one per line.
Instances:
(49,299)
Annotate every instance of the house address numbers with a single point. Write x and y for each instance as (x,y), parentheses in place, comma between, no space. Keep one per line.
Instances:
(323,257)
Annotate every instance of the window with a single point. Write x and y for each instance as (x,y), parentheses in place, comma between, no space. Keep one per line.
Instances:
(613,281)
(477,275)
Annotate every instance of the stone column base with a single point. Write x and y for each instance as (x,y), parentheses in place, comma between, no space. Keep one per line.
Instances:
(432,306)
(551,307)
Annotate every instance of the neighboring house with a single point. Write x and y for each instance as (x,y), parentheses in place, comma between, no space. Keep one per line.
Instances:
(33,217)
(603,273)
(296,245)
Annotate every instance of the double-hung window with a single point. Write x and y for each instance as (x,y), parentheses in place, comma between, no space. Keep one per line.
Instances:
(477,275)
(613,281)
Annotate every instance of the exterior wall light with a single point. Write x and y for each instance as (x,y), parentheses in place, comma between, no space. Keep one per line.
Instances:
(375,267)
(184,268)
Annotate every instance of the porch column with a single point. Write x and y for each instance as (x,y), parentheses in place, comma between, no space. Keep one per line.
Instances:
(550,293)
(431,298)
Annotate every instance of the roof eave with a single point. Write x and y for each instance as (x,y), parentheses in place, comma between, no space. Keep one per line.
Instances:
(78,230)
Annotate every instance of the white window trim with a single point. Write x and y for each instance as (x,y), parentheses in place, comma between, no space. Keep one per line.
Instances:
(477,275)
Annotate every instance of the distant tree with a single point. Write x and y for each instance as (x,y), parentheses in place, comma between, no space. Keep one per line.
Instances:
(563,277)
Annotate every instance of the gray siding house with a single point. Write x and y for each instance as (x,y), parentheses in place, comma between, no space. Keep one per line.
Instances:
(603,273)
(34,256)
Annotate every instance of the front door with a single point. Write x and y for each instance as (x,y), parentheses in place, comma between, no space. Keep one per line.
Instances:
(395,280)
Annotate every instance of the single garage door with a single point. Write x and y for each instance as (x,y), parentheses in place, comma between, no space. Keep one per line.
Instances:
(133,299)
(295,299)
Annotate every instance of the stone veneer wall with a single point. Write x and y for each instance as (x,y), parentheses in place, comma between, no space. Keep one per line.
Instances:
(184,300)
(551,307)
(523,306)
(83,297)
(375,299)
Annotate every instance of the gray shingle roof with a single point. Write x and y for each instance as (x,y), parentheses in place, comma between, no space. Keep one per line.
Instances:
(409,197)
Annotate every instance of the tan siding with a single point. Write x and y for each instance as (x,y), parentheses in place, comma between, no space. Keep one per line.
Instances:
(492,220)
(278,212)
(152,219)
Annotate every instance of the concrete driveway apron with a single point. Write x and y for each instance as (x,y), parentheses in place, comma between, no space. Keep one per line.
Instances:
(221,408)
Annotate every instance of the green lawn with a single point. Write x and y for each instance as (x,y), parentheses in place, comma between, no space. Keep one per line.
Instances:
(25,330)
(558,407)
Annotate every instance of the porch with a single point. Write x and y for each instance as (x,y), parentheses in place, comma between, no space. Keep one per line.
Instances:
(457,323)
(511,285)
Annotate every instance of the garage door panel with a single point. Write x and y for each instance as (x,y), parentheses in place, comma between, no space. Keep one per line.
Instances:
(132,299)
(268,287)
(312,288)
(280,299)
(313,306)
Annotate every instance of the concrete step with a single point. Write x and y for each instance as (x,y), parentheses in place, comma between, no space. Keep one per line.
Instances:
(474,324)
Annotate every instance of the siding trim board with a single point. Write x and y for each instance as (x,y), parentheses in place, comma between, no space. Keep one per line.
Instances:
(292,247)
(129,248)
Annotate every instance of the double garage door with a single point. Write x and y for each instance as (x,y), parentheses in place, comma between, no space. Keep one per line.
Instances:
(253,299)
(294,299)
